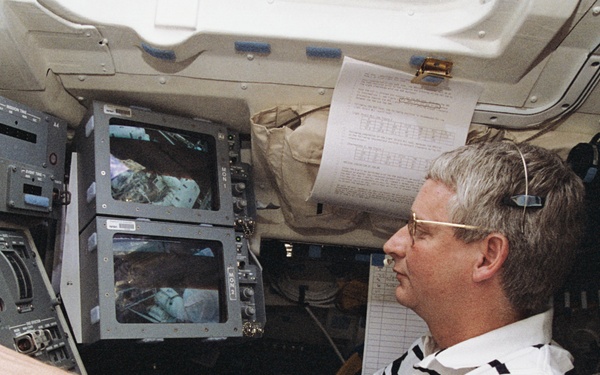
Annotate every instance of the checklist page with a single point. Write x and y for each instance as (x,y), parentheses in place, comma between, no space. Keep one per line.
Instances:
(391,327)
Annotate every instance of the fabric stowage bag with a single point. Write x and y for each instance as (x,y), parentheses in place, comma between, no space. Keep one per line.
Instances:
(289,140)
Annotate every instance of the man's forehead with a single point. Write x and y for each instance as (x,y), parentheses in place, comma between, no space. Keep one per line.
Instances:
(433,188)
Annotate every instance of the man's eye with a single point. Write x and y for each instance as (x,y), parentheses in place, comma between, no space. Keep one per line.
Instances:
(420,232)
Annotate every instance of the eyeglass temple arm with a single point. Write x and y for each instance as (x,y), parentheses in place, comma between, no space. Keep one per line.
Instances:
(462,226)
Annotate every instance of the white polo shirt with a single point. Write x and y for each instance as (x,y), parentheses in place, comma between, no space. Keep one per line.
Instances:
(524,347)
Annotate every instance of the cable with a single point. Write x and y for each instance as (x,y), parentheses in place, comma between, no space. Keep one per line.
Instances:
(324,296)
(299,116)
(255,260)
(318,323)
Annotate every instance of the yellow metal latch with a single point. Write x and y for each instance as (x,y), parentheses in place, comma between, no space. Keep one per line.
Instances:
(433,71)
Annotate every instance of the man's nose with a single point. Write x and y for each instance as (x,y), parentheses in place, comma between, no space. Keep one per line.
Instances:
(397,244)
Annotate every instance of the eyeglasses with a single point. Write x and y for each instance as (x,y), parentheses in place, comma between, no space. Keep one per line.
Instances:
(413,221)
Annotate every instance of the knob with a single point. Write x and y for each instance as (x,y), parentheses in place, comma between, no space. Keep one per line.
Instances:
(239,188)
(239,205)
(248,311)
(247,293)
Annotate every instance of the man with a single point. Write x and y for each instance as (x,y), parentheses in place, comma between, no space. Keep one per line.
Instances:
(491,237)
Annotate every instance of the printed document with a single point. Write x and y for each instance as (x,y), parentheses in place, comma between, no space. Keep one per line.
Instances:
(382,133)
(391,328)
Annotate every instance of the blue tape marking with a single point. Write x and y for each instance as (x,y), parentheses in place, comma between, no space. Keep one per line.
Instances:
(377,259)
(432,79)
(163,54)
(255,47)
(365,258)
(324,52)
(36,200)
(417,61)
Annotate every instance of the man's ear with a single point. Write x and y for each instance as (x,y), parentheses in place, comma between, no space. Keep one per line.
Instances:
(492,254)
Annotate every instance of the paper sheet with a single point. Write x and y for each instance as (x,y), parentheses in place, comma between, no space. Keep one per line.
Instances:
(382,133)
(391,328)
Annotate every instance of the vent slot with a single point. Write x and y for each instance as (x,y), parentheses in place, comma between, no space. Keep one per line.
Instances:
(22,277)
(18,133)
(21,250)
(59,354)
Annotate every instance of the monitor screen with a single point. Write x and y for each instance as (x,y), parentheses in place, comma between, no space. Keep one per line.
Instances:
(167,280)
(162,167)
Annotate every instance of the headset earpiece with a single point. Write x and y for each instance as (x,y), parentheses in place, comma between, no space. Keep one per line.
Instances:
(583,159)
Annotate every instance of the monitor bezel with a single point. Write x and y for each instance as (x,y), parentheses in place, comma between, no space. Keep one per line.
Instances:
(95,195)
(99,319)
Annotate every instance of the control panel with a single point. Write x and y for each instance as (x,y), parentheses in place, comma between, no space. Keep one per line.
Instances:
(32,322)
(252,303)
(32,159)
(251,291)
(244,203)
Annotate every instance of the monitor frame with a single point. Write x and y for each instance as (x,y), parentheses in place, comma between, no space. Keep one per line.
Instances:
(95,195)
(97,280)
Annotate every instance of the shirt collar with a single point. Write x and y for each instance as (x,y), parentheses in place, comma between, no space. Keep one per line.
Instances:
(499,342)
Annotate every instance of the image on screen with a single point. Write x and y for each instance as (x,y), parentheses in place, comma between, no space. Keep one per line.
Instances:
(163,167)
(167,280)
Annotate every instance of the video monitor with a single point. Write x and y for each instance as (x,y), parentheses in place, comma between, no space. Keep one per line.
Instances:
(167,280)
(154,280)
(141,164)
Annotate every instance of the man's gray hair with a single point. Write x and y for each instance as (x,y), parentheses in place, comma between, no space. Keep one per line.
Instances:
(543,246)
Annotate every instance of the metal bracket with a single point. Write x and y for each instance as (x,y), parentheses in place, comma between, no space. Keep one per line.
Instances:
(62,198)
(432,72)
(247,225)
(289,250)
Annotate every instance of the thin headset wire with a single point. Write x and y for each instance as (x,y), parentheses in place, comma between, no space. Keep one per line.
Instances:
(526,188)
